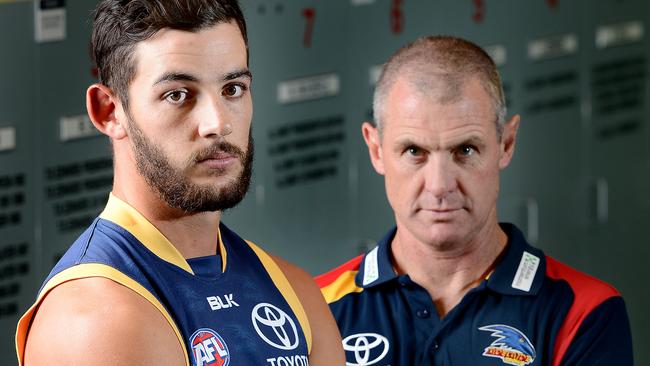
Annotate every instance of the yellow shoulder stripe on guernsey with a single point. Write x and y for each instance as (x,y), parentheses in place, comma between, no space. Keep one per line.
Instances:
(342,286)
(85,271)
(282,283)
(223,253)
(129,218)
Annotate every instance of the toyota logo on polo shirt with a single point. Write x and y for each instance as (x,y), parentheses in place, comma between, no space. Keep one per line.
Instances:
(274,326)
(367,348)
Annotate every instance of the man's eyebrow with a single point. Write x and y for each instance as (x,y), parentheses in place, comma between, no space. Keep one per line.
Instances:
(181,76)
(175,76)
(472,140)
(475,140)
(405,143)
(237,74)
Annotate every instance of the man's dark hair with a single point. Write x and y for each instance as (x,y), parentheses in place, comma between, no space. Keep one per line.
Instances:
(119,25)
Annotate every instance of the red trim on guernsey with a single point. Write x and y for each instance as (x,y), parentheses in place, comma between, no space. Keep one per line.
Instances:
(589,292)
(329,277)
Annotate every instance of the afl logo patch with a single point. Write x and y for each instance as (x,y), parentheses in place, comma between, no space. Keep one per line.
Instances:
(275,327)
(209,348)
(366,348)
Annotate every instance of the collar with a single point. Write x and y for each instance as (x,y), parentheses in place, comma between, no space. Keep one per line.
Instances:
(520,271)
(376,267)
(126,216)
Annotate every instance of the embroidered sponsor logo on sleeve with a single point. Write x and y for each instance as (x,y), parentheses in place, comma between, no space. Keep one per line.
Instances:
(510,345)
(371,267)
(209,348)
(526,272)
(365,349)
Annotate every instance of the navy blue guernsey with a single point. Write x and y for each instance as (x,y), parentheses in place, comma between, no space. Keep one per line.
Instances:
(236,308)
(531,310)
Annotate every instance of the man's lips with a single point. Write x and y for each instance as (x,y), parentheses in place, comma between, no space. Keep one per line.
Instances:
(441,213)
(219,160)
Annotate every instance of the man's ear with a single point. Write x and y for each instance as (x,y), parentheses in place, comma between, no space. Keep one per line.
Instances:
(508,141)
(372,138)
(102,105)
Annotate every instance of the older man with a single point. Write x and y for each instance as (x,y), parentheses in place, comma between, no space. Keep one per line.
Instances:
(450,285)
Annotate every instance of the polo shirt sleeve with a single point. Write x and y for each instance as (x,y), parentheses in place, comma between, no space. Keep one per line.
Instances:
(603,338)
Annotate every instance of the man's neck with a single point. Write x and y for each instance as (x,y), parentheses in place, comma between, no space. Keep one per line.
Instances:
(448,274)
(193,235)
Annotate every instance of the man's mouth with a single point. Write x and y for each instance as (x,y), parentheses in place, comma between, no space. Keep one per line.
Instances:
(219,160)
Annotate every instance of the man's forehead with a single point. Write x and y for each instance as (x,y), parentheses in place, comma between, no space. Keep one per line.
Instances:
(412,112)
(172,50)
(448,131)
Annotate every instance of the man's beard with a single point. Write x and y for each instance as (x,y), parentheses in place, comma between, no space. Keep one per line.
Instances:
(176,189)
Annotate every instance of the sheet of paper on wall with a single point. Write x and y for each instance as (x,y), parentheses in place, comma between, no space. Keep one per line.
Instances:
(7,138)
(49,20)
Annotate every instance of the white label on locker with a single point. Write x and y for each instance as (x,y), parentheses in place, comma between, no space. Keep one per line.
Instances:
(49,20)
(7,138)
(309,88)
(362,2)
(498,54)
(552,47)
(76,127)
(619,34)
(374,72)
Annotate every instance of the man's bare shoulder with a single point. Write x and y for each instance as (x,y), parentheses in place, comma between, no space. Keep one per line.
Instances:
(96,321)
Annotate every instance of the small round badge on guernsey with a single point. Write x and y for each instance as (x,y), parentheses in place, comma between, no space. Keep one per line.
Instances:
(209,348)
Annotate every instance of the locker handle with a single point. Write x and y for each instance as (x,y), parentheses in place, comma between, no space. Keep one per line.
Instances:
(602,200)
(532,220)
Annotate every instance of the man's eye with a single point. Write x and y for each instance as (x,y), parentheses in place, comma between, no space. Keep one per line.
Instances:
(414,151)
(466,150)
(176,96)
(234,90)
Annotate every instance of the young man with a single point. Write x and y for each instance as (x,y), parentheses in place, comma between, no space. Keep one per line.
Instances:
(157,279)
(450,285)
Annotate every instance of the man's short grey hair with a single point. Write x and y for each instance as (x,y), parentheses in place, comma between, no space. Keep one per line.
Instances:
(440,65)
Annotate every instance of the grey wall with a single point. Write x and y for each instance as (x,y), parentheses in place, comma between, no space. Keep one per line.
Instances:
(578,186)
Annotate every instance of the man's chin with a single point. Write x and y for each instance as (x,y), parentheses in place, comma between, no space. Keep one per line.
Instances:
(445,235)
(216,181)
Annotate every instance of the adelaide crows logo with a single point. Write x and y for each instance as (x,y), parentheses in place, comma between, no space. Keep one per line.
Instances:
(510,345)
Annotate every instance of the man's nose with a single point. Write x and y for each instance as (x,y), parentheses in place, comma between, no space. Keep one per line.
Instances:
(213,118)
(440,175)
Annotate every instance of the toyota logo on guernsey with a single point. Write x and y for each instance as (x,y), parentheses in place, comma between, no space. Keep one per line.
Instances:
(367,348)
(209,348)
(275,326)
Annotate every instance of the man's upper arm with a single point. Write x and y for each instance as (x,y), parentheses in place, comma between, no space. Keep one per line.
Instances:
(95,321)
(326,347)
(603,338)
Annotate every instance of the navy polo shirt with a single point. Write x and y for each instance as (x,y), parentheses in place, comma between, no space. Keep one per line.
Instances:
(532,310)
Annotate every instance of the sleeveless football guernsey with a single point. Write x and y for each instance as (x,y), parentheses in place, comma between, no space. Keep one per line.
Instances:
(237,308)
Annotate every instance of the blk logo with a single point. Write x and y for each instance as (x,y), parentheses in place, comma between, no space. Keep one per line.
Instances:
(274,326)
(216,303)
(209,348)
(365,348)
